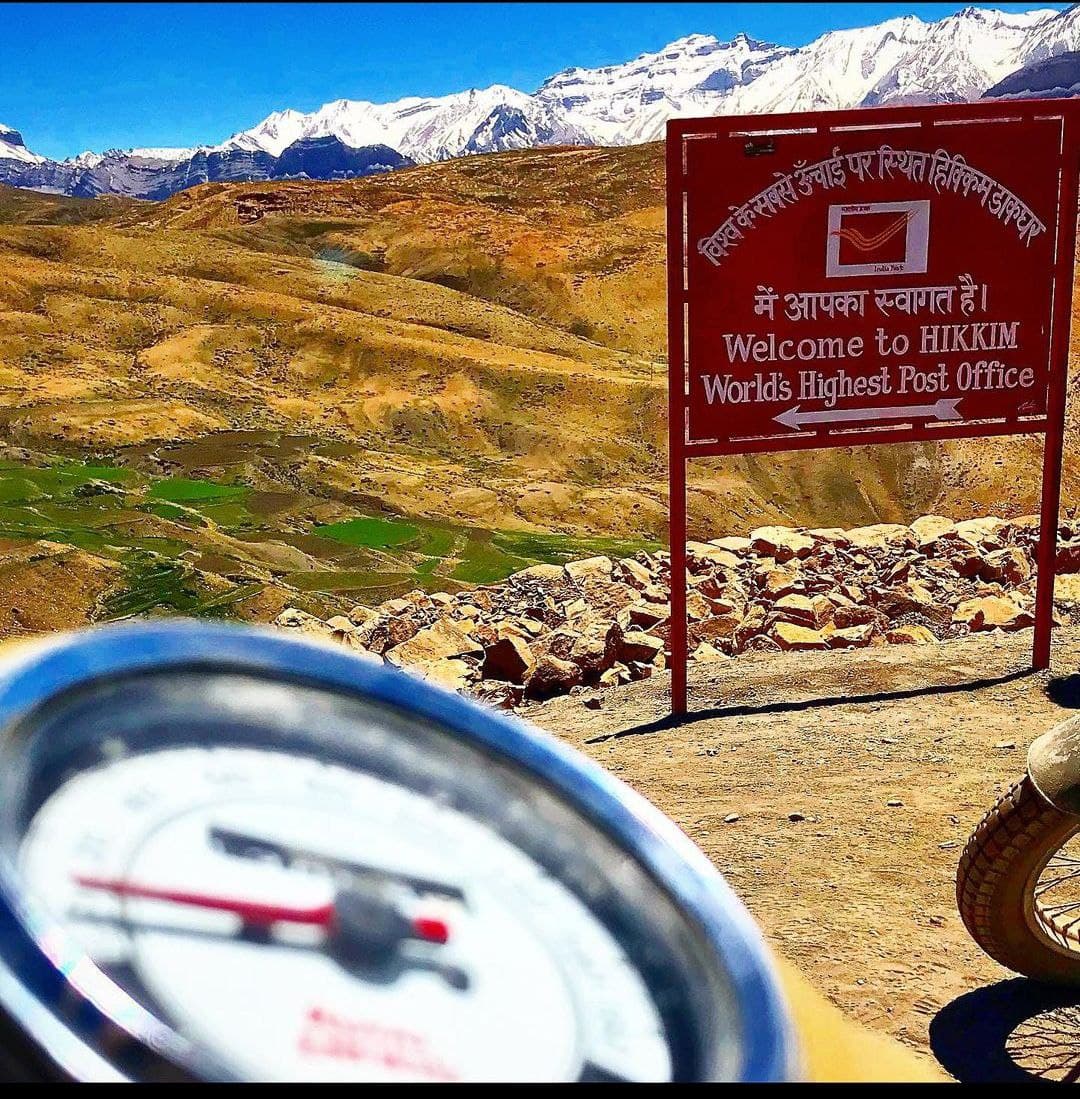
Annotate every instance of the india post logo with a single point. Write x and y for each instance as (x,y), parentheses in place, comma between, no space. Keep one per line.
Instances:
(877,238)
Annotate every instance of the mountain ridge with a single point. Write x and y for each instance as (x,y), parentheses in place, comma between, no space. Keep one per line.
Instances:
(901,60)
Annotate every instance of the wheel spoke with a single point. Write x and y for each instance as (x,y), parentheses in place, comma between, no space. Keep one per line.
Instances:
(1053,883)
(1060,909)
(1059,859)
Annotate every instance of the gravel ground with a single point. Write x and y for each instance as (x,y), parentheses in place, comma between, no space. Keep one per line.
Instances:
(835,791)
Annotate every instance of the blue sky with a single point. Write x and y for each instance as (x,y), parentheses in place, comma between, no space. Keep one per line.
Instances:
(97,76)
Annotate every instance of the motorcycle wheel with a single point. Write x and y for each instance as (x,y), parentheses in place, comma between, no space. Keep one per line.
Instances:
(1018,889)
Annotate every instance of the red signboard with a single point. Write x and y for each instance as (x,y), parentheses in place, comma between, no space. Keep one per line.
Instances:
(881,275)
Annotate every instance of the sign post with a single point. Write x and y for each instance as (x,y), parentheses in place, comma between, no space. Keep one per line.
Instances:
(871,276)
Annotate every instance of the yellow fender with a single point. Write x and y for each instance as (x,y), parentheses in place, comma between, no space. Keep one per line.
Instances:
(837,1050)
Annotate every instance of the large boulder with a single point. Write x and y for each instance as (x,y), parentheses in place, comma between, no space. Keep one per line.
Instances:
(707,653)
(601,594)
(639,648)
(589,570)
(1067,589)
(881,536)
(445,639)
(635,573)
(929,528)
(781,543)
(1010,565)
(704,555)
(453,674)
(551,677)
(737,545)
(383,631)
(646,615)
(751,626)
(804,610)
(850,637)
(859,615)
(719,627)
(912,598)
(791,637)
(911,634)
(654,593)
(359,614)
(292,618)
(776,582)
(615,676)
(829,537)
(987,612)
(538,574)
(542,587)
(509,658)
(983,533)
(559,643)
(497,693)
(1068,556)
(597,648)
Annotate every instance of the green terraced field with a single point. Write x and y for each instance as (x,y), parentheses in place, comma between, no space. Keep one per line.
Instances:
(156,526)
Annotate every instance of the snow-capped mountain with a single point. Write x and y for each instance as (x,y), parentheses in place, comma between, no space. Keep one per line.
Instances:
(421,129)
(629,103)
(904,60)
(1053,36)
(140,173)
(12,147)
(900,61)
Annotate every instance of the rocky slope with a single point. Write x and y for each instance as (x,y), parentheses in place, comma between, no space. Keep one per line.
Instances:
(478,341)
(904,60)
(550,630)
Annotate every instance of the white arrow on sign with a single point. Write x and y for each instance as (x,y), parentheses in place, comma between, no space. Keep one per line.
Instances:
(941,410)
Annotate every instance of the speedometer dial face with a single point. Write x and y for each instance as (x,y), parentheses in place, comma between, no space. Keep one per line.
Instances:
(302,884)
(309,921)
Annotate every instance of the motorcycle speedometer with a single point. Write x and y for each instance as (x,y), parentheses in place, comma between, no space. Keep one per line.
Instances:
(228,854)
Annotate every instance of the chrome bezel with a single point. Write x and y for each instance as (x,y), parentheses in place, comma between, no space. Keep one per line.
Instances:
(86,1015)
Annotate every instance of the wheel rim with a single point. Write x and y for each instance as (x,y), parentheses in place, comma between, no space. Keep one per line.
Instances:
(1056,895)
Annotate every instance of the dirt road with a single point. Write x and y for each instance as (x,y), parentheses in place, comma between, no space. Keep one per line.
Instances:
(835,791)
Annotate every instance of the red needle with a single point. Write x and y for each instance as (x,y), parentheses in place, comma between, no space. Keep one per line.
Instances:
(254,913)
(251,912)
(431,928)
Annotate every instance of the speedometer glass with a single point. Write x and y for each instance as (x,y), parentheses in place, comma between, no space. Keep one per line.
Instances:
(283,879)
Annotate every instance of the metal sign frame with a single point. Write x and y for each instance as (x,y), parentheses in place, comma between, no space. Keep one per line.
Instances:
(760,135)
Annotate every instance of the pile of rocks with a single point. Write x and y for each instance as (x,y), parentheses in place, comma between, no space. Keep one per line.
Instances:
(550,629)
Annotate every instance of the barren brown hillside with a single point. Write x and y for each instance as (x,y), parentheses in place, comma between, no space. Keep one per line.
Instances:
(477,342)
